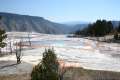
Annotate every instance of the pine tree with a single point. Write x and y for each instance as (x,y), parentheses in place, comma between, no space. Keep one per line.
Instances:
(3,36)
(0,17)
(48,68)
(119,28)
(99,28)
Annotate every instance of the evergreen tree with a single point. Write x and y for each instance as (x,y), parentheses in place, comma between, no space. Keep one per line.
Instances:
(119,28)
(48,68)
(3,36)
(0,17)
(109,27)
(116,36)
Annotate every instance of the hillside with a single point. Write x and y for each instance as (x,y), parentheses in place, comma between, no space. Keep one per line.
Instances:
(16,22)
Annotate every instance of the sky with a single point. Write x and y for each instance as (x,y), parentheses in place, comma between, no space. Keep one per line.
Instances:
(64,10)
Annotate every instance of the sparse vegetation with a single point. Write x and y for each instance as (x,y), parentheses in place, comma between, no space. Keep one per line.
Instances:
(85,74)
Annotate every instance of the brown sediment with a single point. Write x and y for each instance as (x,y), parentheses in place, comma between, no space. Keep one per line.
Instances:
(68,63)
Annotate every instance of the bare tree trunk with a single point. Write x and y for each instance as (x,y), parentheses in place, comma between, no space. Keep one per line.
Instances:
(0,51)
(16,51)
(6,50)
(29,39)
(61,77)
(62,70)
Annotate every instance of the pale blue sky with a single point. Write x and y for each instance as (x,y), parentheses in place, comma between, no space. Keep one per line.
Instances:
(64,10)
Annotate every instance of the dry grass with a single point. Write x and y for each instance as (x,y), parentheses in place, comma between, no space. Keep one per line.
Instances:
(83,74)
(73,74)
(15,77)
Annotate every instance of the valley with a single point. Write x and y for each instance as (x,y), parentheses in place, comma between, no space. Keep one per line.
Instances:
(73,52)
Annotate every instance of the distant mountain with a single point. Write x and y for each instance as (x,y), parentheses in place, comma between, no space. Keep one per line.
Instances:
(16,22)
(76,25)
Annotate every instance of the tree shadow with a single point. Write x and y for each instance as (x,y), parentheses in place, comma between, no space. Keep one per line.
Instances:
(13,68)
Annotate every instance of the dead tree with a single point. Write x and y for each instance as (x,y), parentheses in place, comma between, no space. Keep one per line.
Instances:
(62,70)
(29,39)
(10,45)
(18,51)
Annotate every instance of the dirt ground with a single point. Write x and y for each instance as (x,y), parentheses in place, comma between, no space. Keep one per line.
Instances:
(15,77)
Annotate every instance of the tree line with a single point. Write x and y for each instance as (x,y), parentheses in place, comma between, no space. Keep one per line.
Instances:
(99,28)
